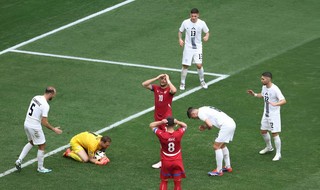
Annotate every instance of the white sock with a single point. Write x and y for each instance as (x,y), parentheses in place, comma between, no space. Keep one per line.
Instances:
(226,157)
(25,150)
(184,73)
(201,74)
(219,159)
(267,139)
(277,143)
(40,157)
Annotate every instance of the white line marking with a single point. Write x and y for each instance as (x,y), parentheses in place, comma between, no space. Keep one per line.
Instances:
(67,26)
(116,124)
(109,62)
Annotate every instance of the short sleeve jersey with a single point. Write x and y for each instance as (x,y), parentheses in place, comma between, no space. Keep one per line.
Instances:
(38,108)
(216,116)
(162,101)
(272,94)
(170,143)
(193,33)
(88,141)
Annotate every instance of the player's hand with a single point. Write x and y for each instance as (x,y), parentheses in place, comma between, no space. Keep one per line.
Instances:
(161,75)
(57,130)
(205,38)
(105,160)
(250,92)
(202,127)
(102,161)
(164,121)
(181,42)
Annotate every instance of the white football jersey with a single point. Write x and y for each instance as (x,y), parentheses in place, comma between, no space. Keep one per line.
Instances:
(216,116)
(193,33)
(38,108)
(272,94)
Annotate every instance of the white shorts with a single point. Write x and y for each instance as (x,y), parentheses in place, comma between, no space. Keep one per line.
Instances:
(36,135)
(226,133)
(271,123)
(191,56)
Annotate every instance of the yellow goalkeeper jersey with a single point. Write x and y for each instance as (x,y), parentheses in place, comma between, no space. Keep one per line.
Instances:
(88,140)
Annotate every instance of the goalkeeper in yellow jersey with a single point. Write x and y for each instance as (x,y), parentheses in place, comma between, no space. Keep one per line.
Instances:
(84,146)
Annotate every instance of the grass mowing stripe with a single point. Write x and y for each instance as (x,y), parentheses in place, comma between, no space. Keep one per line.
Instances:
(110,62)
(67,26)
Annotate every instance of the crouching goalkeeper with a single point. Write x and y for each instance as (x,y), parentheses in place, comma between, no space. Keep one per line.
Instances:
(85,144)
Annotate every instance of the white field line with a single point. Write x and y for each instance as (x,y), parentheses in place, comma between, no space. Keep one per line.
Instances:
(67,26)
(118,123)
(109,62)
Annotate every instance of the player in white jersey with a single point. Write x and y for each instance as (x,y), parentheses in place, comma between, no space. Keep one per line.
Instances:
(192,52)
(36,116)
(214,117)
(271,120)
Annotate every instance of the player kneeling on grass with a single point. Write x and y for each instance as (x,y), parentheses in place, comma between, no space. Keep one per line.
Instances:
(214,117)
(85,147)
(171,156)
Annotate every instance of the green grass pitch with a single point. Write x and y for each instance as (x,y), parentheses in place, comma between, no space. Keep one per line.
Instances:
(246,38)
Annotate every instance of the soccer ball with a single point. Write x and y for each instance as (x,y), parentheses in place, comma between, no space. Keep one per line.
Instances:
(99,154)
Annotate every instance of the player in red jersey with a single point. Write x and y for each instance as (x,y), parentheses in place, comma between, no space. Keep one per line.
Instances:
(163,96)
(171,155)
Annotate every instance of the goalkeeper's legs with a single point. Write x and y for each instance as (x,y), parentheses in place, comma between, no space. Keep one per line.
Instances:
(75,156)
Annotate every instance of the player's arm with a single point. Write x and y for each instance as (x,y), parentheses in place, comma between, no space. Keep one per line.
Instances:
(173,89)
(181,42)
(155,124)
(45,122)
(280,103)
(147,83)
(180,123)
(207,125)
(206,37)
(252,93)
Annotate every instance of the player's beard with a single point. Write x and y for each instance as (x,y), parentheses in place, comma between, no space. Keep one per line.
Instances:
(163,84)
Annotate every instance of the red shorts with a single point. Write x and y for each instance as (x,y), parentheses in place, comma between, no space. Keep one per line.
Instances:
(172,169)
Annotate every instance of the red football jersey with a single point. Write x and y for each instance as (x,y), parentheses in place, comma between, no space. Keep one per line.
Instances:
(170,143)
(162,101)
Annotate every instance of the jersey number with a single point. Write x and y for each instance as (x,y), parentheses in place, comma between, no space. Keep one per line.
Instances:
(160,98)
(193,33)
(171,147)
(31,109)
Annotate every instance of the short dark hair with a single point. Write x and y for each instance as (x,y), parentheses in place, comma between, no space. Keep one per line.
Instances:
(106,139)
(190,109)
(267,74)
(194,10)
(49,90)
(170,120)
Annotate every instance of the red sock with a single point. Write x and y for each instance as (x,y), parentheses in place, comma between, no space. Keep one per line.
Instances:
(164,185)
(177,184)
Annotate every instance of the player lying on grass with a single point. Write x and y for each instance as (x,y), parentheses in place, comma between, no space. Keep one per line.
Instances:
(84,146)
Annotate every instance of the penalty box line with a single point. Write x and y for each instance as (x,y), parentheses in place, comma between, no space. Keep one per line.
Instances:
(118,123)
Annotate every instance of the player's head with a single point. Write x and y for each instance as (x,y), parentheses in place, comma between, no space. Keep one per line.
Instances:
(105,142)
(266,78)
(170,121)
(192,113)
(194,14)
(50,92)
(163,80)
